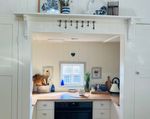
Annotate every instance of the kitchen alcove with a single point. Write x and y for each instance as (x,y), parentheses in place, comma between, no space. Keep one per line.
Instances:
(106,27)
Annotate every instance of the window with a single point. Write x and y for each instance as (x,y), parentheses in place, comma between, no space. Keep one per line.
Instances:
(72,74)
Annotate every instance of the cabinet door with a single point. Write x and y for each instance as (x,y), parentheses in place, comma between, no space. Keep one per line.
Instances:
(8,69)
(45,114)
(142,72)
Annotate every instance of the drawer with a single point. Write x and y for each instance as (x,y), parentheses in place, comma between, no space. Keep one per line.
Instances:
(101,118)
(101,105)
(45,114)
(45,105)
(101,114)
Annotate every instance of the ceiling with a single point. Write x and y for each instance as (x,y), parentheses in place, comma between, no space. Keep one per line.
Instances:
(61,37)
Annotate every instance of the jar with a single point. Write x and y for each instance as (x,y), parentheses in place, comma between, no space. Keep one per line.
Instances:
(50,6)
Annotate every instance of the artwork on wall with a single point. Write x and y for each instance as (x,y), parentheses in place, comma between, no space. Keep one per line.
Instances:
(96,73)
(48,71)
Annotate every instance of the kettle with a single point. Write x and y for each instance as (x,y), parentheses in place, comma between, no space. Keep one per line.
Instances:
(115,85)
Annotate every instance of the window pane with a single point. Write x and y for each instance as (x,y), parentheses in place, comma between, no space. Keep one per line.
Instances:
(72,74)
(67,69)
(77,78)
(67,79)
(76,69)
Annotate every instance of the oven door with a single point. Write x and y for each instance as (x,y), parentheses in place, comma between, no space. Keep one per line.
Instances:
(73,110)
(73,114)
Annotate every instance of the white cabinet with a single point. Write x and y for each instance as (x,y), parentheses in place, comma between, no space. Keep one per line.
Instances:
(45,114)
(45,110)
(8,68)
(115,111)
(135,97)
(45,105)
(101,109)
(142,72)
(34,112)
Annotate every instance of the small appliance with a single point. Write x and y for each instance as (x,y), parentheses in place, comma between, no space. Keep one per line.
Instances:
(115,85)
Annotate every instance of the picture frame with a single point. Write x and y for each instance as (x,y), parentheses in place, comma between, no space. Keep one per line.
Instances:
(48,71)
(96,73)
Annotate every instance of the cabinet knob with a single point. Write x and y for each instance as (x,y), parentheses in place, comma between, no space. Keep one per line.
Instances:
(44,114)
(44,105)
(102,104)
(137,72)
(102,113)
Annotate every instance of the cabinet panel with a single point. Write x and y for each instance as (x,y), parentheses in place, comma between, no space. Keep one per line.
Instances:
(142,72)
(101,104)
(101,114)
(8,68)
(45,105)
(45,114)
(6,37)
(5,97)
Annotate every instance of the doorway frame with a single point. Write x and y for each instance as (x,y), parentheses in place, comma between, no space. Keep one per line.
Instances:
(30,23)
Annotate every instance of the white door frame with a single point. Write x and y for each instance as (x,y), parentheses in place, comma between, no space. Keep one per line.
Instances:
(49,23)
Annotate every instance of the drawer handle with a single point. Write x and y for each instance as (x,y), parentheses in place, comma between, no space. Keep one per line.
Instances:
(45,105)
(44,114)
(102,113)
(102,104)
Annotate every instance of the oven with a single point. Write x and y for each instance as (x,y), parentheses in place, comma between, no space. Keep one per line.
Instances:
(73,110)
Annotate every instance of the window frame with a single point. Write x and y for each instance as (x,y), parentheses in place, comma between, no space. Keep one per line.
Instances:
(68,62)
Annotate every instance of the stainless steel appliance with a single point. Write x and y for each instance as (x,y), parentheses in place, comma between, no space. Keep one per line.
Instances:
(73,110)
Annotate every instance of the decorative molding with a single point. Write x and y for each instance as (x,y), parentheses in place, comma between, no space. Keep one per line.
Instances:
(73,23)
(26,26)
(131,28)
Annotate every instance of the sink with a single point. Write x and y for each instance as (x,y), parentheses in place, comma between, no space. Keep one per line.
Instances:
(68,96)
(72,96)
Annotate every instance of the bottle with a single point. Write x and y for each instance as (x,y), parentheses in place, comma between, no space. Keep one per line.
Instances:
(62,82)
(108,83)
(52,88)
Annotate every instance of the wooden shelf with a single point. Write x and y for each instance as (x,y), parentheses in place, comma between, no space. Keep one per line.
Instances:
(87,16)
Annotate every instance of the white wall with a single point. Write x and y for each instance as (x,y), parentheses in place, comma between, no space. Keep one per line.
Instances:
(8,7)
(105,55)
(127,7)
(138,8)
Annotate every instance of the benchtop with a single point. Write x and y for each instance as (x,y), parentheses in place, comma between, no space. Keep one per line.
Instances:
(67,96)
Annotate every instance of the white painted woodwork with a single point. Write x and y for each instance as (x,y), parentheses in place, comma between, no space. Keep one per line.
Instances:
(45,114)
(49,23)
(34,112)
(8,68)
(142,72)
(102,114)
(101,109)
(45,105)
(115,111)
(101,104)
(45,110)
(124,26)
(104,24)
(6,96)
